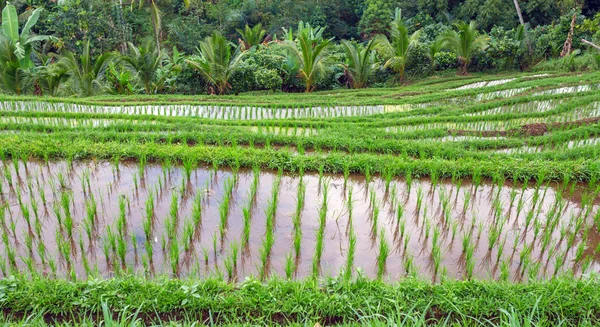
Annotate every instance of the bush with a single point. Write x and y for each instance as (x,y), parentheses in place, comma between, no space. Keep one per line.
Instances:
(446,60)
(268,79)
(418,62)
(261,69)
(189,81)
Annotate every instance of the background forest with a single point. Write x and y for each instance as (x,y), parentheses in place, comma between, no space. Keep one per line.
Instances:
(89,47)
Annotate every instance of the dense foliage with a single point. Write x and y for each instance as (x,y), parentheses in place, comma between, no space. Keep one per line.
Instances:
(228,46)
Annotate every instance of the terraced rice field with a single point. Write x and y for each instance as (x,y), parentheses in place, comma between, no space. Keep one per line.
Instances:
(491,178)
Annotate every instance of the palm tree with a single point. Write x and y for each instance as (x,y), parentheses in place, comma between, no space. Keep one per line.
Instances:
(85,74)
(397,48)
(465,40)
(216,61)
(251,37)
(23,42)
(49,76)
(145,61)
(309,50)
(360,62)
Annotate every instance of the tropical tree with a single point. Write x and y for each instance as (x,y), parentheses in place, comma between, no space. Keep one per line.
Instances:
(309,49)
(360,62)
(85,75)
(465,40)
(398,47)
(146,61)
(216,61)
(376,17)
(251,37)
(22,42)
(48,75)
(13,78)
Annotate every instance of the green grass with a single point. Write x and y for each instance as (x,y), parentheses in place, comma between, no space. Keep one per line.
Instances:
(328,301)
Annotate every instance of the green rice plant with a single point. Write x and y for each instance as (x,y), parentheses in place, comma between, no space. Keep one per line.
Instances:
(388,175)
(90,217)
(143,161)
(316,264)
(375,217)
(61,181)
(214,246)
(469,261)
(84,259)
(350,254)
(346,174)
(234,253)
(224,207)
(493,236)
(15,162)
(384,251)
(172,223)
(8,177)
(246,212)
(427,225)
(289,266)
(265,253)
(29,243)
(321,169)
(297,218)
(367,172)
(174,257)
(580,250)
(349,204)
(436,251)
(65,200)
(122,250)
(197,210)
(419,200)
(188,235)
(409,182)
(189,164)
(466,202)
(228,268)
(122,218)
(504,271)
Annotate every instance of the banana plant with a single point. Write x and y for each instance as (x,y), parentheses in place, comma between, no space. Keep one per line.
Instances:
(22,41)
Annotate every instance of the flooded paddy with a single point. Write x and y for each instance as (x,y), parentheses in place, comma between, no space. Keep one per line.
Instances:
(102,218)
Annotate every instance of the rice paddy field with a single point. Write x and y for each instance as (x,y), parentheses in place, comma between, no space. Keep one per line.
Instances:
(455,201)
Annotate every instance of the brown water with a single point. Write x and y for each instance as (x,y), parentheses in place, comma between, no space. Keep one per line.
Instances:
(442,207)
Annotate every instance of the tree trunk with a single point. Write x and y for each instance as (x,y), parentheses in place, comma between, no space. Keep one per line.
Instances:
(568,47)
(521,20)
(590,44)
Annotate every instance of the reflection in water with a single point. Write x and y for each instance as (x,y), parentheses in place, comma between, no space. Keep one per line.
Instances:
(197,227)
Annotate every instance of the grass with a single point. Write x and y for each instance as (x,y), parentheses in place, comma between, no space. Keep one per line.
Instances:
(328,302)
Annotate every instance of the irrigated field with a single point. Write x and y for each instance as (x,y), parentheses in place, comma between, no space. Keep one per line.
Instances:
(470,178)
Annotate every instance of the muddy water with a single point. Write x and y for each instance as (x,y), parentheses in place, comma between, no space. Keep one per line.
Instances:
(555,241)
